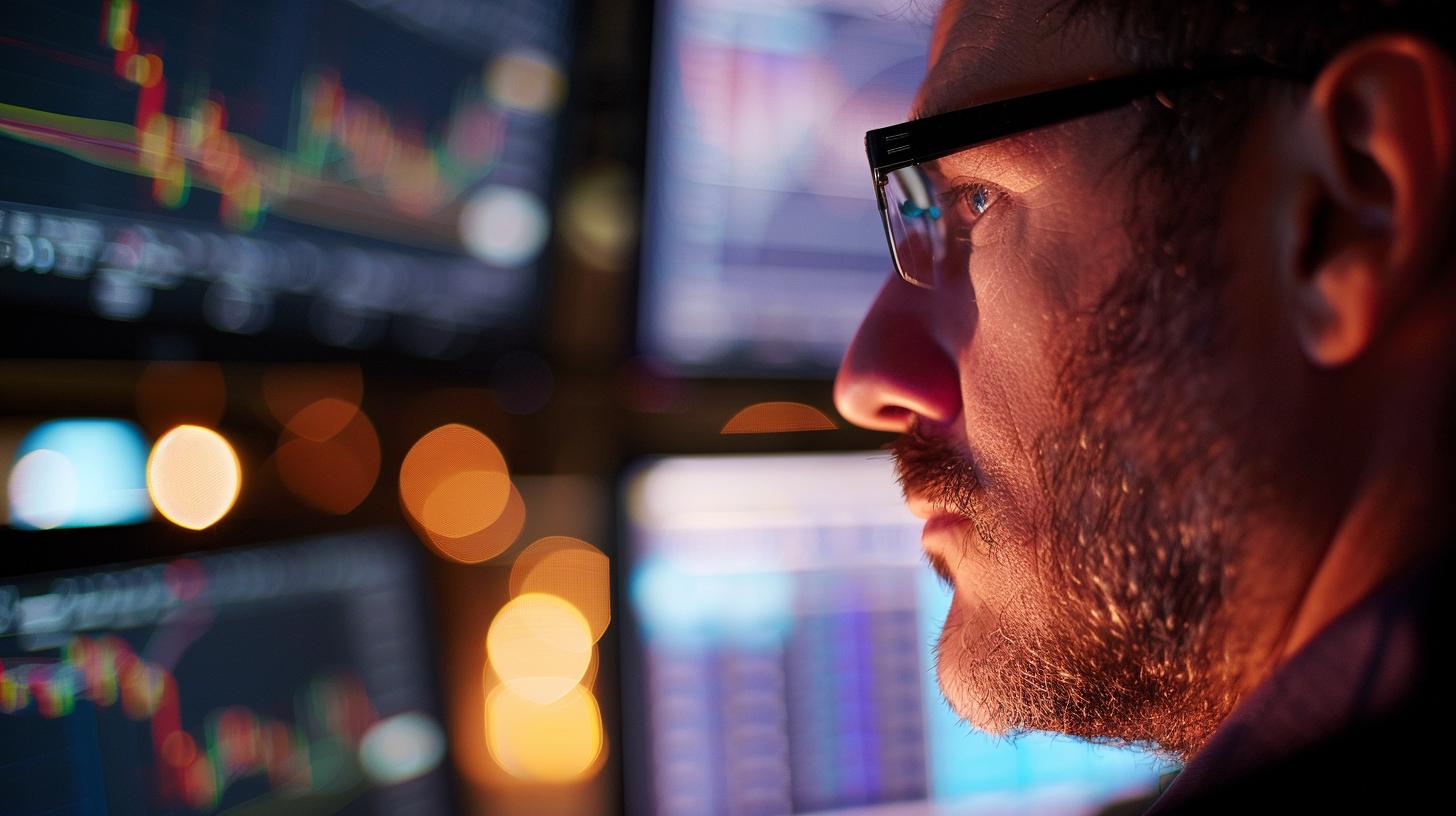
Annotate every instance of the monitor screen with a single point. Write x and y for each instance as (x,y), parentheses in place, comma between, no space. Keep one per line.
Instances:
(291,678)
(763,247)
(786,626)
(361,174)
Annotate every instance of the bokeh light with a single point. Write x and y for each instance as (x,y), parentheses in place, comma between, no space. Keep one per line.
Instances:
(322,420)
(287,391)
(539,645)
(778,417)
(169,394)
(572,570)
(556,742)
(589,677)
(440,454)
(193,476)
(504,226)
(42,490)
(400,748)
(326,464)
(487,543)
(79,473)
(456,489)
(599,217)
(525,80)
(465,503)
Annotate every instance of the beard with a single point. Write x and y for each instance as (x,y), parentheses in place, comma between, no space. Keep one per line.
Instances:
(1102,607)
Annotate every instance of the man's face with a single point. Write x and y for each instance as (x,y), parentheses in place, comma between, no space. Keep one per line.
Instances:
(1076,421)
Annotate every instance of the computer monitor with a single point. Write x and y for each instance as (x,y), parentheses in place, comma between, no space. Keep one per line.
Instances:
(355,174)
(762,245)
(291,678)
(784,626)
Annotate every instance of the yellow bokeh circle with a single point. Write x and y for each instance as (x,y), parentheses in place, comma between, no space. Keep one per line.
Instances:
(556,742)
(540,646)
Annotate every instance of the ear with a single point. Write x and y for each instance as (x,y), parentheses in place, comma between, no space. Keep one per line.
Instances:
(1375,220)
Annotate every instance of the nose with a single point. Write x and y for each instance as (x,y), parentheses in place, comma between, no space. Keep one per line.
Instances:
(896,369)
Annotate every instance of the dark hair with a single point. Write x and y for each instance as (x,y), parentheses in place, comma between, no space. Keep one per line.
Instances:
(1295,35)
(1299,35)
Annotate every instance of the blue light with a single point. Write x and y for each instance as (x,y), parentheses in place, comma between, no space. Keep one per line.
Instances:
(80,473)
(741,608)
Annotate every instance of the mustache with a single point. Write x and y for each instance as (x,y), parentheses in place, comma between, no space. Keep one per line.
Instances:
(930,466)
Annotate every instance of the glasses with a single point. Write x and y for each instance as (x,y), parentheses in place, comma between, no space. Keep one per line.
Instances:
(920,219)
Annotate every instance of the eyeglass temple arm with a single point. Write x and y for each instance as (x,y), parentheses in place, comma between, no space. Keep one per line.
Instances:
(922,140)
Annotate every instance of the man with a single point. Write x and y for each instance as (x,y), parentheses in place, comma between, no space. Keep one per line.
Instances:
(1171,357)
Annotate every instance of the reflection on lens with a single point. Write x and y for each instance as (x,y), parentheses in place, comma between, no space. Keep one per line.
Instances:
(916,224)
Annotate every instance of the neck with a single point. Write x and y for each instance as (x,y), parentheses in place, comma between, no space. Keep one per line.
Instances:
(1394,520)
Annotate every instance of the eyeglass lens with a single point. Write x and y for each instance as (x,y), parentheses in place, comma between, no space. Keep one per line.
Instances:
(916,224)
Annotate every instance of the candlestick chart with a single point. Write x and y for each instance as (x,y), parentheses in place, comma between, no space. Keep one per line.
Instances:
(235,743)
(314,150)
(253,682)
(365,172)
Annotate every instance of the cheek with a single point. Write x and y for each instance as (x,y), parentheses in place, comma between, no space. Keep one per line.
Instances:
(1028,263)
(1007,407)
(1009,367)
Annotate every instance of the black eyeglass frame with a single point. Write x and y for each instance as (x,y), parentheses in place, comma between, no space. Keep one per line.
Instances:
(922,140)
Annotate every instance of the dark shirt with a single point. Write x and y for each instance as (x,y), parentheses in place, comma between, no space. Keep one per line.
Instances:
(1359,720)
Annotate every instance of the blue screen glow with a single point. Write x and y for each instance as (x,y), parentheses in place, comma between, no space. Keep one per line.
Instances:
(80,473)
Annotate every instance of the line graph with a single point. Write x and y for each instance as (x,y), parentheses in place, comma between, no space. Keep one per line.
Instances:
(332,714)
(365,175)
(279,678)
(349,161)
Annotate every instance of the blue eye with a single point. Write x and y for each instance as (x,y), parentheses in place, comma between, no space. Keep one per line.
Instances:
(974,196)
(980,199)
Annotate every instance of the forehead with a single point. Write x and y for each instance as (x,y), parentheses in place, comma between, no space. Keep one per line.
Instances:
(984,50)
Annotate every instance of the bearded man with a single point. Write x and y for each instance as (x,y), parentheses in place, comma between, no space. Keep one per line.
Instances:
(1170,348)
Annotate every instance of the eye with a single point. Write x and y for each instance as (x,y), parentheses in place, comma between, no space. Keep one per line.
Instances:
(974,197)
(980,199)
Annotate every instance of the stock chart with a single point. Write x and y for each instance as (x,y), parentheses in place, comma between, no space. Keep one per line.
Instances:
(361,173)
(288,677)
